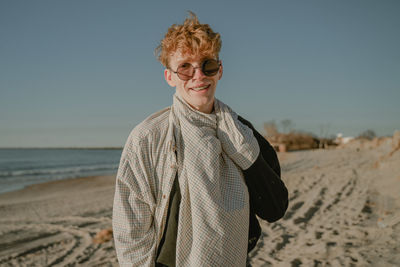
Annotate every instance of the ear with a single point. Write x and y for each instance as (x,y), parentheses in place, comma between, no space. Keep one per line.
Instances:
(168,78)
(221,70)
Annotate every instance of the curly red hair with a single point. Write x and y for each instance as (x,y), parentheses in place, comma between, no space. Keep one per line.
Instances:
(190,38)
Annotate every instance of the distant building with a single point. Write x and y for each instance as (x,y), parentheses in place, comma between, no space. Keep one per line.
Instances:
(341,140)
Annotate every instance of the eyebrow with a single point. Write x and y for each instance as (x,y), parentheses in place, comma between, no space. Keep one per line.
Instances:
(187,60)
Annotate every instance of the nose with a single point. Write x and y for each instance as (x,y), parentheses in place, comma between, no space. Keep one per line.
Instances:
(198,73)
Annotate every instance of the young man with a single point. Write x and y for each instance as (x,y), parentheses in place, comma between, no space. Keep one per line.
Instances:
(193,176)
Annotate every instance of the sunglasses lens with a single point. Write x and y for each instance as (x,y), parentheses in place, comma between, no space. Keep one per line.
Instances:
(185,71)
(210,67)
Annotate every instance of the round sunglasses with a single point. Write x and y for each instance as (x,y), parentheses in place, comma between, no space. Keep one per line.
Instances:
(209,67)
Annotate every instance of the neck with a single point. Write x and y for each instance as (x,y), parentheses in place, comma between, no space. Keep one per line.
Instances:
(205,109)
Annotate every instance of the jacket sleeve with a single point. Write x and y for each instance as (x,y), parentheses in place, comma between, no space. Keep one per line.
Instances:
(133,227)
(268,193)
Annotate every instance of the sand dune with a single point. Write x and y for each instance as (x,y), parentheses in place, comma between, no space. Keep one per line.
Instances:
(344,211)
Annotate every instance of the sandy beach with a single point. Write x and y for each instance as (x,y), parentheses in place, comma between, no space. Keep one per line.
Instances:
(344,211)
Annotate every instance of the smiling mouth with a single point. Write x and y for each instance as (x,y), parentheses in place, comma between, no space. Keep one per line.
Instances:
(201,88)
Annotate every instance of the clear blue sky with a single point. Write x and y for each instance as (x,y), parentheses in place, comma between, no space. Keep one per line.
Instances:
(83,73)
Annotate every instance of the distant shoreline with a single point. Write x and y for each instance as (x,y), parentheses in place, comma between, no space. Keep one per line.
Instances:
(38,187)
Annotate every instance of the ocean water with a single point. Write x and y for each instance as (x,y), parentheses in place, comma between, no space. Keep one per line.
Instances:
(22,167)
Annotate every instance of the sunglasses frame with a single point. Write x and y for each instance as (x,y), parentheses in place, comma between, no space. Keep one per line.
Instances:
(194,69)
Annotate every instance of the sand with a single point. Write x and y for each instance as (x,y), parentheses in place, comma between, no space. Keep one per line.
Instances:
(53,224)
(344,211)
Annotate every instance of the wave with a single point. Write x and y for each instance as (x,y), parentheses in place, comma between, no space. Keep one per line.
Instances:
(55,171)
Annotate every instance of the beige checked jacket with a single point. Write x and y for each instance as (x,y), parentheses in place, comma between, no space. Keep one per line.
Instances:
(144,180)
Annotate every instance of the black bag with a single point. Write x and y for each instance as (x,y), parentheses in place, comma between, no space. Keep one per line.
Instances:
(268,193)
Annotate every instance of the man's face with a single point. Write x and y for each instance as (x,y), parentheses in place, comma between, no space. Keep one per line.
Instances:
(198,91)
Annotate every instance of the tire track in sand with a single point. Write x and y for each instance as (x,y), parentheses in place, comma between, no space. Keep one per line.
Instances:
(324,222)
(61,242)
